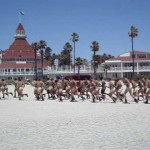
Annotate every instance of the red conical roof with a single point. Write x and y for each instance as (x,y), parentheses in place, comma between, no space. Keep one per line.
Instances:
(20,48)
(20,27)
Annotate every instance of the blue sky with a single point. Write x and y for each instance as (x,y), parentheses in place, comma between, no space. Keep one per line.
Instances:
(105,21)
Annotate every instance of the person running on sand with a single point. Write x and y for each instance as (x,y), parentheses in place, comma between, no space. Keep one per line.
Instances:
(20,86)
(4,88)
(103,85)
(134,88)
(49,87)
(119,88)
(74,90)
(83,89)
(128,90)
(145,84)
(39,88)
(141,88)
(15,84)
(62,89)
(111,86)
(147,91)
(93,90)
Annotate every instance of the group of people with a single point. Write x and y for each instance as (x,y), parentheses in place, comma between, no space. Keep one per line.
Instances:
(19,86)
(113,89)
(97,90)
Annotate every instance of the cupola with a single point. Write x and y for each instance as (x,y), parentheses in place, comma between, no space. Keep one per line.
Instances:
(20,32)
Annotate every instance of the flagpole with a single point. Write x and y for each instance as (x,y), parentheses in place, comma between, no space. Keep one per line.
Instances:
(19,17)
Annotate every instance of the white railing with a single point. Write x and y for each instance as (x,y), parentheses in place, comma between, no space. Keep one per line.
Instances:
(144,68)
(129,68)
(67,70)
(115,69)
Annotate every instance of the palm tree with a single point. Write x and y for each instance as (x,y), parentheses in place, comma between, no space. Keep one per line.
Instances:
(105,57)
(42,46)
(47,53)
(106,67)
(79,62)
(95,48)
(59,57)
(75,38)
(53,57)
(35,47)
(97,59)
(63,58)
(133,33)
(67,50)
(85,63)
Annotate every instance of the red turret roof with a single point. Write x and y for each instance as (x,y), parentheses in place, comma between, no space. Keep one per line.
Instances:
(20,48)
(20,27)
(21,51)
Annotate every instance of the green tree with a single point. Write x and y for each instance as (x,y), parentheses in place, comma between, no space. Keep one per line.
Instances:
(53,57)
(42,45)
(79,62)
(65,55)
(47,53)
(105,57)
(85,62)
(106,67)
(95,48)
(67,51)
(75,38)
(35,48)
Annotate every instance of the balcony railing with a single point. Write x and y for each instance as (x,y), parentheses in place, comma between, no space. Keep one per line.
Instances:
(144,68)
(66,69)
(129,68)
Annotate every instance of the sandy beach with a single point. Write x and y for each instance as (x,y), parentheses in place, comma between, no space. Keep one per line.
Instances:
(43,125)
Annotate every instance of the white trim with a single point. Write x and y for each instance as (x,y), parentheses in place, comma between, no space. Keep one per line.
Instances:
(112,61)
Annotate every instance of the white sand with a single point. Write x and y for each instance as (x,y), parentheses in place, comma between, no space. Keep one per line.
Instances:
(49,124)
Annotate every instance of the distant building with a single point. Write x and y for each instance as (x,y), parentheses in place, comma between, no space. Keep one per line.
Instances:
(19,59)
(121,66)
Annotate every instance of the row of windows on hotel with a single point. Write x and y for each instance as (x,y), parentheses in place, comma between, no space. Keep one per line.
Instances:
(142,56)
(130,64)
(20,69)
(19,59)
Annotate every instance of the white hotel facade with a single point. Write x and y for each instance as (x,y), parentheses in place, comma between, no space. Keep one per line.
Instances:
(121,66)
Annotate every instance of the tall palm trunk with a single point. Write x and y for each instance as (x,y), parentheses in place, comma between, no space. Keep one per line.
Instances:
(132,58)
(35,48)
(78,69)
(74,59)
(133,33)
(35,69)
(95,48)
(69,66)
(42,61)
(94,65)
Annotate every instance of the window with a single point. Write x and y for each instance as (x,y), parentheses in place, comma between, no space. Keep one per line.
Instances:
(27,69)
(14,70)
